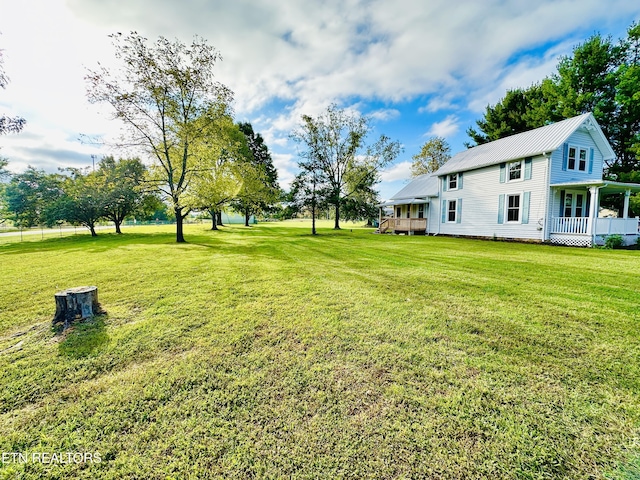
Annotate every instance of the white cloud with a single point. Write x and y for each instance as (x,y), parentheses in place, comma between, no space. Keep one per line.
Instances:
(398,171)
(287,168)
(446,128)
(437,104)
(384,114)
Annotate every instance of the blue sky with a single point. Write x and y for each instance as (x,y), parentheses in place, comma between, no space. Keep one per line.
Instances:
(418,67)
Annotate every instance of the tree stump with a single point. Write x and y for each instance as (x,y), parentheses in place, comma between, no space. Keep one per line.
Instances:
(77,302)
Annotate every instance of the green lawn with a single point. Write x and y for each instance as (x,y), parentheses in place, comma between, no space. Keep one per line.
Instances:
(264,352)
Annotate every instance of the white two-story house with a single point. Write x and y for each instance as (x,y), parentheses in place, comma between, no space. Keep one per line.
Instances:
(542,185)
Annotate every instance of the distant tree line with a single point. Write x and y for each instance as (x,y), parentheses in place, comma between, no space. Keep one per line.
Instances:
(114,191)
(126,188)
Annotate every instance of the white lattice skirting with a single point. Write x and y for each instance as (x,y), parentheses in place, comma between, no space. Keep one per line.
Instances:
(570,240)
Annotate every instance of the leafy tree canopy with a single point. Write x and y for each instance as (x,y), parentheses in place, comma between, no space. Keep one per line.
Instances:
(336,144)
(30,198)
(433,154)
(260,189)
(166,96)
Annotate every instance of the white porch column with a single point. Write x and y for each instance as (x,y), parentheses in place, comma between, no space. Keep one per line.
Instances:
(593,209)
(625,209)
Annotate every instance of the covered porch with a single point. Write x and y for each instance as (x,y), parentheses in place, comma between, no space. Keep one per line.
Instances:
(408,216)
(578,219)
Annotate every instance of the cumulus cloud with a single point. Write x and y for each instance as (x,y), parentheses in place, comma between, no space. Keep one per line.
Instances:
(446,128)
(398,171)
(385,114)
(437,104)
(287,168)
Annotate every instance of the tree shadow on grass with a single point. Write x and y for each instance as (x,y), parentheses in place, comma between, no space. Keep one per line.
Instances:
(84,338)
(86,243)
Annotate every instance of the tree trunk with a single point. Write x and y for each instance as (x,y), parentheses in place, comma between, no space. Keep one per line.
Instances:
(179,229)
(313,217)
(213,214)
(118,226)
(220,218)
(92,229)
(76,302)
(337,223)
(246,218)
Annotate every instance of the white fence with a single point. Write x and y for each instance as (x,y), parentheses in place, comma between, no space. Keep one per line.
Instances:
(604,226)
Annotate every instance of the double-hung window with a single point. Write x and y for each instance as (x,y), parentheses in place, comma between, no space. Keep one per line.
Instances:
(453,181)
(451,210)
(514,170)
(513,208)
(577,159)
(421,210)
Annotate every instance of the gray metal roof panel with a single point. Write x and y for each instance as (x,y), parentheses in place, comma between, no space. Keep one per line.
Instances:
(422,186)
(526,144)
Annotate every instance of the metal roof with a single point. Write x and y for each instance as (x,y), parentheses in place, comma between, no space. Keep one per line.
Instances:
(403,201)
(420,187)
(606,186)
(527,144)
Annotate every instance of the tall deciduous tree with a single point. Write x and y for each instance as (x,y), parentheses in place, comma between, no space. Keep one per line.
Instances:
(336,142)
(219,176)
(433,154)
(361,205)
(166,95)
(84,199)
(259,188)
(310,190)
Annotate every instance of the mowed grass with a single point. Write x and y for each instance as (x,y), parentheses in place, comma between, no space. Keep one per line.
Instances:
(265,352)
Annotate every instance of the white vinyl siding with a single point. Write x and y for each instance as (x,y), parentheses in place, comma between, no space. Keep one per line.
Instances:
(480,200)
(560,162)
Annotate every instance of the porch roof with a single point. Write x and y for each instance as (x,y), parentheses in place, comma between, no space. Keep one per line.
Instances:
(403,201)
(419,188)
(605,186)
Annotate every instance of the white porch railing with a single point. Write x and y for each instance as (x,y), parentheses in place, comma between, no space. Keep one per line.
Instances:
(604,226)
(620,226)
(578,225)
